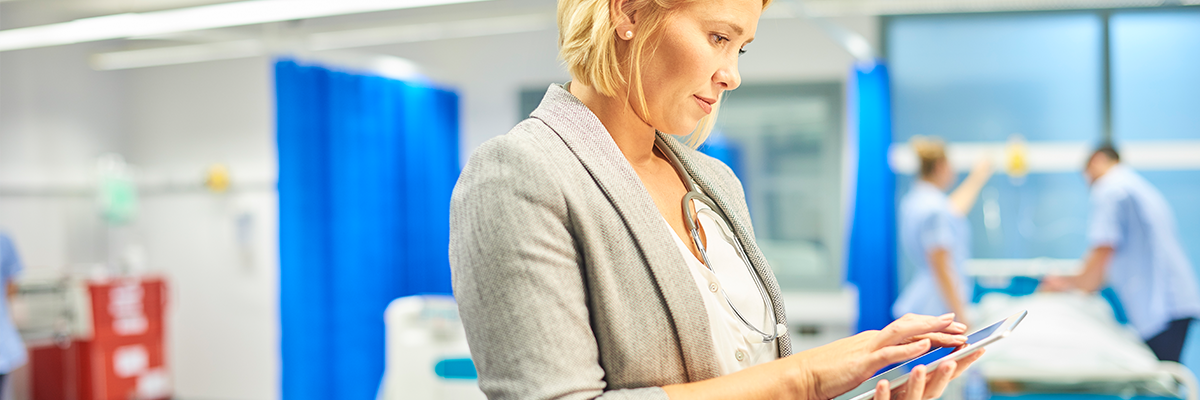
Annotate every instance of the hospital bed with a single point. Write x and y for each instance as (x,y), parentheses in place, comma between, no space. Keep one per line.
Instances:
(1070,344)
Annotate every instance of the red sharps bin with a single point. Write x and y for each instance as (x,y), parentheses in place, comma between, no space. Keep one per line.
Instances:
(123,358)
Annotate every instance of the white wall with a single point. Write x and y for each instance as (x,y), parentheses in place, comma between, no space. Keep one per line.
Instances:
(56,116)
(223,336)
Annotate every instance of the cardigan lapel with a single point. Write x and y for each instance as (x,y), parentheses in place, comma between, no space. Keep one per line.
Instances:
(586,136)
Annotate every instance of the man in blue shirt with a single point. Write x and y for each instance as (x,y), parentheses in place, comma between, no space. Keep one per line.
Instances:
(1135,249)
(12,350)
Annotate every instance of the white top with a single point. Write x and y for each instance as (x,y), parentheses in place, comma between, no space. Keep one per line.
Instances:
(737,346)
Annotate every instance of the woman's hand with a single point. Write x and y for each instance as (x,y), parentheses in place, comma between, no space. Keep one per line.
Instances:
(833,369)
(923,386)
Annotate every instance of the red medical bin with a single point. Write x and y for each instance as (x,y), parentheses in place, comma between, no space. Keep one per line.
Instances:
(122,360)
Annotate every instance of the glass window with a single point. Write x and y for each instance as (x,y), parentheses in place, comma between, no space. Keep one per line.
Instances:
(788,138)
(1156,89)
(982,78)
(985,77)
(1156,95)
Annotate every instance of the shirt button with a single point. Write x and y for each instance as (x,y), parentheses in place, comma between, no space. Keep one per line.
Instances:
(739,355)
(712,286)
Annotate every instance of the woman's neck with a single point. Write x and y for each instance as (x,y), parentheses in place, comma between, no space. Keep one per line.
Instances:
(633,135)
(933,181)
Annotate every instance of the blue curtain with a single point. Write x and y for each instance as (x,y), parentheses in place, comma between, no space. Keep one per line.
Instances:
(871,254)
(366,167)
(720,147)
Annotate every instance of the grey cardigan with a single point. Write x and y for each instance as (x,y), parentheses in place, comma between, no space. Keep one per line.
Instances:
(568,283)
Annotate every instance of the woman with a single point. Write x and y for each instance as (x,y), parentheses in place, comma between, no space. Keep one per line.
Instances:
(12,350)
(574,270)
(935,235)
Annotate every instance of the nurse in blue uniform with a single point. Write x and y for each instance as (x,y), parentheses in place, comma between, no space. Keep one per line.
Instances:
(1135,249)
(12,350)
(935,235)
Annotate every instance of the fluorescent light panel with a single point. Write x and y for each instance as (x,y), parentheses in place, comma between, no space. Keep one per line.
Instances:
(364,37)
(177,55)
(431,31)
(252,12)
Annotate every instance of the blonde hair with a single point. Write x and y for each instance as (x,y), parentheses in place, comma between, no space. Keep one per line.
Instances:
(931,151)
(587,44)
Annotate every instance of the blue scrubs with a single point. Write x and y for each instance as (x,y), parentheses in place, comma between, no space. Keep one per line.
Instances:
(926,223)
(12,350)
(1149,270)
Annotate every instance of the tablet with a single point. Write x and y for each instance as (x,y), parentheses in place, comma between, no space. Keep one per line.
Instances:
(898,375)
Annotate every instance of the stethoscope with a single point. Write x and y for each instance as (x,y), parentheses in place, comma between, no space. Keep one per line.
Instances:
(694,193)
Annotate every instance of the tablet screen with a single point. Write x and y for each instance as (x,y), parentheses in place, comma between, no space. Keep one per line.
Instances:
(892,372)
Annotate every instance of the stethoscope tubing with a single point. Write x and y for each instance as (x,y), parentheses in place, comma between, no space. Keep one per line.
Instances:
(694,193)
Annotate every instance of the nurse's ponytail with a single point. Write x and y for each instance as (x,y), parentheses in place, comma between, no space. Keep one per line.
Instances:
(931,151)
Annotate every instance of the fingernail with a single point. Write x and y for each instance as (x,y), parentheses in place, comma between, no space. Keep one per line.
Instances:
(961,337)
(947,316)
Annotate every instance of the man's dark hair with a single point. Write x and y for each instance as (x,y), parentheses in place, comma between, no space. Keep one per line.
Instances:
(1107,150)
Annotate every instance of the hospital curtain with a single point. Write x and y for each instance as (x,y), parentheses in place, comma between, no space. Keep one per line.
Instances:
(366,167)
(871,254)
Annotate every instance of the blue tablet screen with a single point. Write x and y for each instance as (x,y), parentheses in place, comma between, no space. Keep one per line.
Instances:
(894,371)
(935,354)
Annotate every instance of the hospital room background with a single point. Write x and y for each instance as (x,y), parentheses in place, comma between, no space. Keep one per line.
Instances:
(249,200)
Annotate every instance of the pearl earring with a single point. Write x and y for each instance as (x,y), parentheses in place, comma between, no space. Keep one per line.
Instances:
(629,34)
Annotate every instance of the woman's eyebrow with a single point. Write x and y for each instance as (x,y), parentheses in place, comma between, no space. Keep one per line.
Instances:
(737,29)
(732,26)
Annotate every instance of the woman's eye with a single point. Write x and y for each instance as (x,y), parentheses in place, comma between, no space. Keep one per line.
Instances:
(741,51)
(719,39)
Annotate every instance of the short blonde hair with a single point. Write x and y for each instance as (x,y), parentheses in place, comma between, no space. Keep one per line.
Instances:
(587,44)
(931,151)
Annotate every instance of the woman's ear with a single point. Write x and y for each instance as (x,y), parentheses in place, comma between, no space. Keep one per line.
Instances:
(623,19)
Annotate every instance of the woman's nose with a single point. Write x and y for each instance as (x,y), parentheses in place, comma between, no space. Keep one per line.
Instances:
(728,77)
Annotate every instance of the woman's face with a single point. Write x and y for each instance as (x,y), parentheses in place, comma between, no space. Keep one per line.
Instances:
(943,175)
(696,60)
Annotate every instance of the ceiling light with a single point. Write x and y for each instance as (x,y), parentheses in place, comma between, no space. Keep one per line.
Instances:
(177,55)
(240,13)
(362,37)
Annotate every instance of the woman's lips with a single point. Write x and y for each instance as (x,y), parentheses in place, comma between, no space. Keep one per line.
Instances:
(704,104)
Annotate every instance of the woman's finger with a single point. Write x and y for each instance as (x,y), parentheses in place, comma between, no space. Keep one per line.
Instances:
(894,354)
(882,390)
(956,328)
(912,325)
(916,384)
(941,339)
(939,379)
